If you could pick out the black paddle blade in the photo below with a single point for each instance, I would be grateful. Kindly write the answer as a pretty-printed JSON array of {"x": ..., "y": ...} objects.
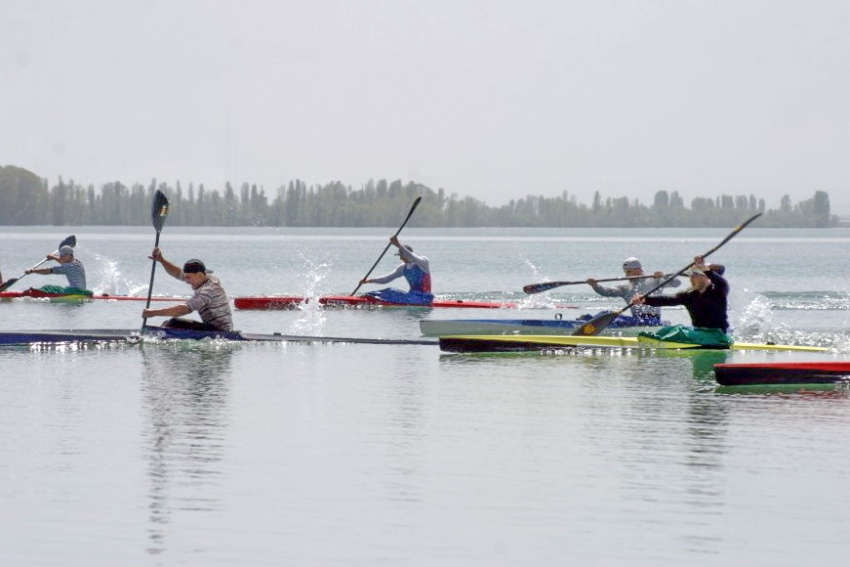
[
  {"x": 70, "y": 241},
  {"x": 541, "y": 287},
  {"x": 8, "y": 283},
  {"x": 159, "y": 210},
  {"x": 597, "y": 324}
]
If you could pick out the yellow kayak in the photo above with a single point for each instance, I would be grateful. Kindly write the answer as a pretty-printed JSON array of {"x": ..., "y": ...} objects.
[{"x": 518, "y": 343}]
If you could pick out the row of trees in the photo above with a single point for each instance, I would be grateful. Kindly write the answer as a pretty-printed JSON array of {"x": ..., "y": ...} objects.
[{"x": 26, "y": 199}]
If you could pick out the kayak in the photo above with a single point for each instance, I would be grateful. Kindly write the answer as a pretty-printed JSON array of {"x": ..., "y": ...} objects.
[
  {"x": 526, "y": 343},
  {"x": 134, "y": 335},
  {"x": 363, "y": 302},
  {"x": 437, "y": 327},
  {"x": 782, "y": 373},
  {"x": 71, "y": 297}
]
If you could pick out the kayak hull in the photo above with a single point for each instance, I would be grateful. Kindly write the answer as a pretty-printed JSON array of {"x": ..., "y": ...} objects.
[
  {"x": 70, "y": 298},
  {"x": 437, "y": 327},
  {"x": 527, "y": 343},
  {"x": 349, "y": 301},
  {"x": 134, "y": 335},
  {"x": 782, "y": 373}
]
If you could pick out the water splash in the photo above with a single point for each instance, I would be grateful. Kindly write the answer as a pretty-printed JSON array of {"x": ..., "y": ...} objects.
[{"x": 311, "y": 317}]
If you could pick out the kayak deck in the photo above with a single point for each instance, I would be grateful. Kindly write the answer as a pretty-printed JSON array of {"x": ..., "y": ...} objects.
[
  {"x": 437, "y": 327},
  {"x": 363, "y": 302},
  {"x": 748, "y": 374},
  {"x": 527, "y": 343}
]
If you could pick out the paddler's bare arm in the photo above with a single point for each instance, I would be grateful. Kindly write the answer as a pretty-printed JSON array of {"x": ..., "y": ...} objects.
[
  {"x": 173, "y": 270},
  {"x": 175, "y": 311}
]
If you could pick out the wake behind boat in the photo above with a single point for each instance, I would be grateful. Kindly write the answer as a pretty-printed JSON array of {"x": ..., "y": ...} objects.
[
  {"x": 530, "y": 343},
  {"x": 364, "y": 302},
  {"x": 162, "y": 333},
  {"x": 558, "y": 326}
]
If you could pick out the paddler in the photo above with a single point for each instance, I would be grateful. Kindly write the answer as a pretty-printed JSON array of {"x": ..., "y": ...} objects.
[
  {"x": 209, "y": 299},
  {"x": 706, "y": 302},
  {"x": 68, "y": 266},
  {"x": 416, "y": 270},
  {"x": 641, "y": 314}
]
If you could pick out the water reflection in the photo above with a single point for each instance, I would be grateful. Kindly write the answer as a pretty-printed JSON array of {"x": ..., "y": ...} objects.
[{"x": 186, "y": 391}]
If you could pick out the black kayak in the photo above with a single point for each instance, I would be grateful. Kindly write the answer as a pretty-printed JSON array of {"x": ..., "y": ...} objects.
[{"x": 782, "y": 373}]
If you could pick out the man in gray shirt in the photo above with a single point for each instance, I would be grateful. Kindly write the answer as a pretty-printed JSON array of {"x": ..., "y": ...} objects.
[
  {"x": 68, "y": 266},
  {"x": 209, "y": 300},
  {"x": 643, "y": 314}
]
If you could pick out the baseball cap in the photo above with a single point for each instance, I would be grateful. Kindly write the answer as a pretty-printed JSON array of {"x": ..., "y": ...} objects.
[
  {"x": 194, "y": 266},
  {"x": 66, "y": 250},
  {"x": 631, "y": 264}
]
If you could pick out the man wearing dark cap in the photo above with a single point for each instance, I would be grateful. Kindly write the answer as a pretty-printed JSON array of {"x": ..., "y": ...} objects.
[
  {"x": 415, "y": 269},
  {"x": 209, "y": 299},
  {"x": 68, "y": 266}
]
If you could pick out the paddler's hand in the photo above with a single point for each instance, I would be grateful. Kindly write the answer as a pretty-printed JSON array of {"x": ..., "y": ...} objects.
[
  {"x": 637, "y": 300},
  {"x": 658, "y": 275},
  {"x": 364, "y": 281},
  {"x": 148, "y": 313},
  {"x": 394, "y": 241},
  {"x": 156, "y": 255},
  {"x": 591, "y": 282}
]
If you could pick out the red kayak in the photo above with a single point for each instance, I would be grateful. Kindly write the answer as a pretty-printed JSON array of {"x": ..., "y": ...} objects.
[
  {"x": 362, "y": 302},
  {"x": 39, "y": 294},
  {"x": 782, "y": 373}
]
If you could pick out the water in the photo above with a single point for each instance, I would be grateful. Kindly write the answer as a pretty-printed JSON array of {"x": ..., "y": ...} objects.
[{"x": 212, "y": 453}]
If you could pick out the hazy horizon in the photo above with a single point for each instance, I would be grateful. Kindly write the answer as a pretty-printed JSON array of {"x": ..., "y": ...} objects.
[{"x": 494, "y": 101}]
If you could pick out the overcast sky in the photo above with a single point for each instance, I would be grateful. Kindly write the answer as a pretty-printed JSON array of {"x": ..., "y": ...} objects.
[{"x": 491, "y": 99}]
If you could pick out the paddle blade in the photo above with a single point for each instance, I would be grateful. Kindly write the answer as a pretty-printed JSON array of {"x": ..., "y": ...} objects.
[
  {"x": 70, "y": 241},
  {"x": 541, "y": 287},
  {"x": 597, "y": 324},
  {"x": 8, "y": 283},
  {"x": 159, "y": 210}
]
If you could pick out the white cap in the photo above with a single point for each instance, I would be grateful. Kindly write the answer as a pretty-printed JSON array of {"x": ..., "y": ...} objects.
[{"x": 631, "y": 264}]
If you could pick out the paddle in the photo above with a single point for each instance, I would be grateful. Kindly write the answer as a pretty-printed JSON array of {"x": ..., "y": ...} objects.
[
  {"x": 600, "y": 322},
  {"x": 546, "y": 286},
  {"x": 413, "y": 208},
  {"x": 159, "y": 211},
  {"x": 70, "y": 241}
]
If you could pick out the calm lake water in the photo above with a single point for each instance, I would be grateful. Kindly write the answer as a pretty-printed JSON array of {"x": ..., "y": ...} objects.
[{"x": 210, "y": 453}]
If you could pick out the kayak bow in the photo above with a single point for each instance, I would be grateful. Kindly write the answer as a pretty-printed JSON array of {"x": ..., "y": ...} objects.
[{"x": 782, "y": 373}]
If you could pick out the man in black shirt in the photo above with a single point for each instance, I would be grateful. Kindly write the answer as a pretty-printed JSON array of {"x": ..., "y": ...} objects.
[{"x": 706, "y": 301}]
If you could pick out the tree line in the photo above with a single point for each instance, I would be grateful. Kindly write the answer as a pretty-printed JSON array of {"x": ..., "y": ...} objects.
[{"x": 27, "y": 199}]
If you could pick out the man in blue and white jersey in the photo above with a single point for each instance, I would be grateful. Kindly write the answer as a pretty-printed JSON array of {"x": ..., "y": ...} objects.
[
  {"x": 68, "y": 266},
  {"x": 209, "y": 300},
  {"x": 416, "y": 270}
]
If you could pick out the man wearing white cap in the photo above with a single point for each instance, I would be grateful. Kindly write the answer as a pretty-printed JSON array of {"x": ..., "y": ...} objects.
[
  {"x": 642, "y": 314},
  {"x": 68, "y": 266}
]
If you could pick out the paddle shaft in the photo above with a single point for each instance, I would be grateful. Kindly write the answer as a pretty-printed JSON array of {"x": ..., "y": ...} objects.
[
  {"x": 413, "y": 208},
  {"x": 546, "y": 286},
  {"x": 159, "y": 212}
]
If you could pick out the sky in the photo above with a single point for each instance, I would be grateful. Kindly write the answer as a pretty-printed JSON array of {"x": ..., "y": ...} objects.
[{"x": 490, "y": 99}]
